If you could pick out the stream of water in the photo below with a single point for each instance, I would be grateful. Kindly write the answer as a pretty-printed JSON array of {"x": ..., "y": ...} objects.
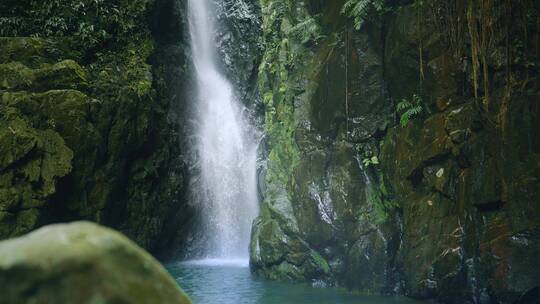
[{"x": 227, "y": 149}]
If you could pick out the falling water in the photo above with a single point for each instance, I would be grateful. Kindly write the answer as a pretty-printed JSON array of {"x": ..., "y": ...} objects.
[{"x": 226, "y": 190}]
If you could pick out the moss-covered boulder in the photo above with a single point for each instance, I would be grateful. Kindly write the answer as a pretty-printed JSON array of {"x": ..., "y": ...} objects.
[
  {"x": 65, "y": 74},
  {"x": 27, "y": 50},
  {"x": 82, "y": 263},
  {"x": 31, "y": 164},
  {"x": 15, "y": 75}
]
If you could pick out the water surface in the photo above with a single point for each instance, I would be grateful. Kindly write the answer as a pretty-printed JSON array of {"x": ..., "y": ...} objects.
[{"x": 230, "y": 282}]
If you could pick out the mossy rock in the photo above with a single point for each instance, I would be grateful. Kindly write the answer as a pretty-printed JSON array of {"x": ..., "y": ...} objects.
[
  {"x": 15, "y": 75},
  {"x": 67, "y": 74},
  {"x": 22, "y": 49},
  {"x": 31, "y": 163},
  {"x": 117, "y": 105},
  {"x": 18, "y": 223},
  {"x": 82, "y": 263},
  {"x": 16, "y": 141},
  {"x": 37, "y": 157}
]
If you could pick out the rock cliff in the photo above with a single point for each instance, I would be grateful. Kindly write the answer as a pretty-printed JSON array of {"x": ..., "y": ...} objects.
[
  {"x": 403, "y": 151},
  {"x": 91, "y": 117}
]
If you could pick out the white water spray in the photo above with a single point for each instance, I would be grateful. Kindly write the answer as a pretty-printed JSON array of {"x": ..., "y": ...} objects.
[{"x": 227, "y": 149}]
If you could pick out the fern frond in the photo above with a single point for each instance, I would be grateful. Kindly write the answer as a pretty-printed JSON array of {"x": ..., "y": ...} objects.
[
  {"x": 360, "y": 9},
  {"x": 404, "y": 104},
  {"x": 409, "y": 109}
]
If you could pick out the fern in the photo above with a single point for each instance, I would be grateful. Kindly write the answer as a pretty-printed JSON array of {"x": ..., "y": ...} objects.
[
  {"x": 409, "y": 110},
  {"x": 404, "y": 105},
  {"x": 361, "y": 9},
  {"x": 306, "y": 30}
]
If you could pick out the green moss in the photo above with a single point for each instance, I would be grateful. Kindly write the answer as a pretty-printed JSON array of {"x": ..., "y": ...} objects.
[
  {"x": 15, "y": 75},
  {"x": 320, "y": 262},
  {"x": 22, "y": 49},
  {"x": 55, "y": 162},
  {"x": 63, "y": 75},
  {"x": 26, "y": 221},
  {"x": 279, "y": 81},
  {"x": 16, "y": 141},
  {"x": 31, "y": 163},
  {"x": 84, "y": 80}
]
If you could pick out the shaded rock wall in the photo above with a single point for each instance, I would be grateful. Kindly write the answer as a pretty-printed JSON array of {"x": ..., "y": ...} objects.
[
  {"x": 324, "y": 95},
  {"x": 443, "y": 207},
  {"x": 466, "y": 173},
  {"x": 91, "y": 120},
  {"x": 238, "y": 41}
]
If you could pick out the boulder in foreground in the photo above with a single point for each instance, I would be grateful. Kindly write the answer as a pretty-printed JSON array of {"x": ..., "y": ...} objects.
[{"x": 82, "y": 263}]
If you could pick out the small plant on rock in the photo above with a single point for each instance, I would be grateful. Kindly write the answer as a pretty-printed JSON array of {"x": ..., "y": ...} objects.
[
  {"x": 409, "y": 109},
  {"x": 370, "y": 161}
]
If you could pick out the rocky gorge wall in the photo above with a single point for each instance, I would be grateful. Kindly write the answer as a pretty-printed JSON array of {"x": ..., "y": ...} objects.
[
  {"x": 442, "y": 205},
  {"x": 91, "y": 117},
  {"x": 437, "y": 203},
  {"x": 95, "y": 114}
]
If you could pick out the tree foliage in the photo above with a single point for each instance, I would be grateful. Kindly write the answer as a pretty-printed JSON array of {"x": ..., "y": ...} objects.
[
  {"x": 306, "y": 30},
  {"x": 90, "y": 21},
  {"x": 360, "y": 10}
]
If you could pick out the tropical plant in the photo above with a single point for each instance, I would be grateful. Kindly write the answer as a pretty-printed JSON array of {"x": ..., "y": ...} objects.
[
  {"x": 369, "y": 161},
  {"x": 91, "y": 21},
  {"x": 409, "y": 109},
  {"x": 360, "y": 10},
  {"x": 306, "y": 30}
]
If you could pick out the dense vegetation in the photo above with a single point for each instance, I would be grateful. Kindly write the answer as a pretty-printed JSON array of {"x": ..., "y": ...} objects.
[
  {"x": 401, "y": 156},
  {"x": 97, "y": 76},
  {"x": 92, "y": 22}
]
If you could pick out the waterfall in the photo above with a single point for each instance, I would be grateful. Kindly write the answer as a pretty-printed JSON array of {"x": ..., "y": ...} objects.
[{"x": 226, "y": 191}]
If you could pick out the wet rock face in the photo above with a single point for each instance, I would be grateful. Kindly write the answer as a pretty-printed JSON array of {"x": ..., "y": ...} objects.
[
  {"x": 461, "y": 230},
  {"x": 322, "y": 216},
  {"x": 238, "y": 41},
  {"x": 464, "y": 179},
  {"x": 82, "y": 263},
  {"x": 440, "y": 208},
  {"x": 96, "y": 133}
]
